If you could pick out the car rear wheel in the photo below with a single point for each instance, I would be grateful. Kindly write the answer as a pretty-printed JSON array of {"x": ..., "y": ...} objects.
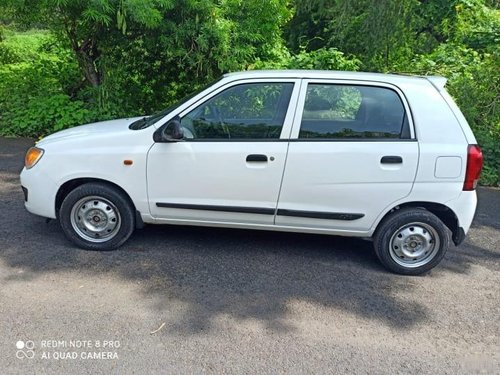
[
  {"x": 411, "y": 241},
  {"x": 97, "y": 216}
]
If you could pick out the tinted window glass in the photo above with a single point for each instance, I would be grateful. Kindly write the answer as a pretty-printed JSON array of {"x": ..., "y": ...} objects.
[
  {"x": 248, "y": 111},
  {"x": 342, "y": 111}
]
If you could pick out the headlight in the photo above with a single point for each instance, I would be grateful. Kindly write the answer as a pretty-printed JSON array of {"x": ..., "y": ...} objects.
[{"x": 32, "y": 156}]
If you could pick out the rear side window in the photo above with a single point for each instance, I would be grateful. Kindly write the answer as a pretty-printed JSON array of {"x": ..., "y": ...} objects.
[{"x": 358, "y": 112}]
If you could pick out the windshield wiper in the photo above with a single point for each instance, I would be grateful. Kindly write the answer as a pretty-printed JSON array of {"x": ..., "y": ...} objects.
[{"x": 139, "y": 124}]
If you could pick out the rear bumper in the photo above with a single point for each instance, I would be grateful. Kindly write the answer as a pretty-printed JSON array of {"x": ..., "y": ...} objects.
[
  {"x": 458, "y": 236},
  {"x": 465, "y": 208}
]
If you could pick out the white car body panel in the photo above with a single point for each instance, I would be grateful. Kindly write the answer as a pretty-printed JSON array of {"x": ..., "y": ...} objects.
[
  {"x": 317, "y": 173},
  {"x": 300, "y": 178},
  {"x": 215, "y": 174},
  {"x": 94, "y": 151}
]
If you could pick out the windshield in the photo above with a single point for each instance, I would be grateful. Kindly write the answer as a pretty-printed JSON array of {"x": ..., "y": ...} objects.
[{"x": 147, "y": 121}]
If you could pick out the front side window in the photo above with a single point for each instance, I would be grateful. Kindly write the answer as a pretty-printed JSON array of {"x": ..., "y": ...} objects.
[
  {"x": 246, "y": 111},
  {"x": 358, "y": 112}
]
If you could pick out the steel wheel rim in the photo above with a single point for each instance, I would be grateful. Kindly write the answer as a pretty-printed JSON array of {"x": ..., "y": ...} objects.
[
  {"x": 414, "y": 245},
  {"x": 95, "y": 219}
]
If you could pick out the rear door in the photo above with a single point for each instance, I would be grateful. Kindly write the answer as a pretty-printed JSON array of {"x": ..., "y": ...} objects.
[{"x": 352, "y": 153}]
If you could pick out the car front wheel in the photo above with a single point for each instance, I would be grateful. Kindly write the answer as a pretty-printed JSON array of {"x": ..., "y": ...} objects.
[
  {"x": 411, "y": 241},
  {"x": 97, "y": 216}
]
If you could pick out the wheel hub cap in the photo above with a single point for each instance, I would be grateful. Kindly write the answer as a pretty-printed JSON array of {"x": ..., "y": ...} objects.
[
  {"x": 95, "y": 219},
  {"x": 414, "y": 245}
]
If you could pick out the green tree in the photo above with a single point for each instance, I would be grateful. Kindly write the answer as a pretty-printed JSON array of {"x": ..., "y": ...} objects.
[
  {"x": 376, "y": 30},
  {"x": 156, "y": 50},
  {"x": 88, "y": 26}
]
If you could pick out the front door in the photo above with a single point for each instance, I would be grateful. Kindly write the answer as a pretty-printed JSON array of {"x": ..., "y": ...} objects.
[
  {"x": 230, "y": 165},
  {"x": 352, "y": 155}
]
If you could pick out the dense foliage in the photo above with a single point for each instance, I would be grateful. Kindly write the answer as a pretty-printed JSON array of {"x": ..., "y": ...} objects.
[{"x": 68, "y": 62}]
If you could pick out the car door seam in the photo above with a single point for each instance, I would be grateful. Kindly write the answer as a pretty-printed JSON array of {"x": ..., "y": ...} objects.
[{"x": 287, "y": 150}]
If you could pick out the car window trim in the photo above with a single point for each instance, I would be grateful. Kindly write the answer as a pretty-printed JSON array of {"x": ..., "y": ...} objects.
[
  {"x": 380, "y": 140},
  {"x": 392, "y": 140}
]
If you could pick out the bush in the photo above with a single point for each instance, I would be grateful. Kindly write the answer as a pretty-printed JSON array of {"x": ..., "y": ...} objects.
[
  {"x": 45, "y": 115},
  {"x": 36, "y": 79},
  {"x": 21, "y": 47},
  {"x": 321, "y": 59},
  {"x": 489, "y": 139}
]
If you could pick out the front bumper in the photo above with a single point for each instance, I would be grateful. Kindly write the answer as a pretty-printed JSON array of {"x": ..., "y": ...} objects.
[
  {"x": 25, "y": 192},
  {"x": 39, "y": 192}
]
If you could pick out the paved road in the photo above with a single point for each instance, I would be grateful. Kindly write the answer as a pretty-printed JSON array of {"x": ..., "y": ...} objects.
[{"x": 230, "y": 301}]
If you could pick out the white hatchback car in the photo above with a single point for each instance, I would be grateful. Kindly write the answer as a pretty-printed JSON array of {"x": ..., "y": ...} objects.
[{"x": 386, "y": 157}]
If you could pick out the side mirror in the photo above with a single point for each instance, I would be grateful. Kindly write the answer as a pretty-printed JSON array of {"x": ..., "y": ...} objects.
[{"x": 170, "y": 132}]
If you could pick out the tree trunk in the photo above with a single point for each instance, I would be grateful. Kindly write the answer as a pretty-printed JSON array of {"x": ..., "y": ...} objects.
[{"x": 87, "y": 55}]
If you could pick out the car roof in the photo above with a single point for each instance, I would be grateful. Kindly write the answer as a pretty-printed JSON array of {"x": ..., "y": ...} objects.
[{"x": 334, "y": 74}]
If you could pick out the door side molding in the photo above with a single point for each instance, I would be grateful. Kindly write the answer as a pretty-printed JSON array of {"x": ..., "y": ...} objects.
[
  {"x": 321, "y": 215},
  {"x": 203, "y": 207},
  {"x": 265, "y": 211}
]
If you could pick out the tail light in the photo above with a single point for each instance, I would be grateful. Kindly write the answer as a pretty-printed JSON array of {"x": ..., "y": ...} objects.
[{"x": 474, "y": 167}]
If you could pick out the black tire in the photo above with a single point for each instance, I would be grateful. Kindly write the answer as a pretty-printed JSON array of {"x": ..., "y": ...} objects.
[
  {"x": 411, "y": 231},
  {"x": 120, "y": 222}
]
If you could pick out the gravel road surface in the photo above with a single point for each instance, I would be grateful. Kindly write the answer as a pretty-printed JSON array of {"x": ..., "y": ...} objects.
[{"x": 199, "y": 300}]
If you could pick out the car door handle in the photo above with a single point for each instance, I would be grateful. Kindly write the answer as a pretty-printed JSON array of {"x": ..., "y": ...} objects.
[
  {"x": 257, "y": 158},
  {"x": 391, "y": 160}
]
